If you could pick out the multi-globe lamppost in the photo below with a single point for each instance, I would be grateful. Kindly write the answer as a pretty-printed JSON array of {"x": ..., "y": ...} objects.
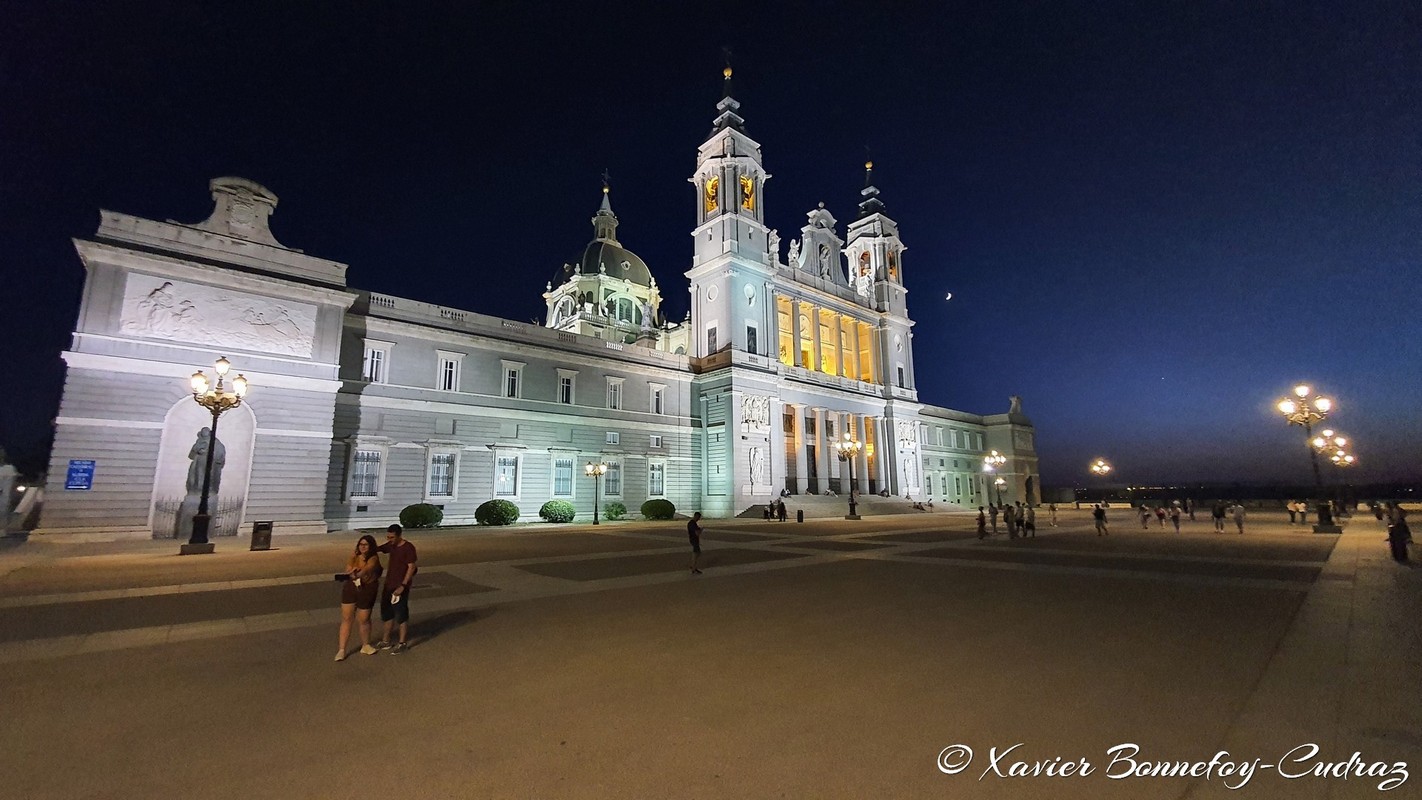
[
  {"x": 848, "y": 449},
  {"x": 991, "y": 463},
  {"x": 1334, "y": 445},
  {"x": 595, "y": 471},
  {"x": 217, "y": 400},
  {"x": 1301, "y": 410}
]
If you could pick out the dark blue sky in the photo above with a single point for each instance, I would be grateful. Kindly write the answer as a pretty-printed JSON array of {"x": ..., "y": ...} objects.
[{"x": 1154, "y": 218}]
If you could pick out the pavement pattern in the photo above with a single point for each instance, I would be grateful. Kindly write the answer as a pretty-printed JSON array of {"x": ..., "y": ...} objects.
[{"x": 825, "y": 659}]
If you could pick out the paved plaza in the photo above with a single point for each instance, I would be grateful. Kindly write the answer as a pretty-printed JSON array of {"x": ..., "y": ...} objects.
[{"x": 818, "y": 660}]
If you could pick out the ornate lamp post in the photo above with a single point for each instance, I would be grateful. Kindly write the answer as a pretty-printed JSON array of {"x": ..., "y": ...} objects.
[
  {"x": 216, "y": 399},
  {"x": 848, "y": 449},
  {"x": 595, "y": 471},
  {"x": 1334, "y": 445},
  {"x": 1300, "y": 410},
  {"x": 991, "y": 463},
  {"x": 1100, "y": 467}
]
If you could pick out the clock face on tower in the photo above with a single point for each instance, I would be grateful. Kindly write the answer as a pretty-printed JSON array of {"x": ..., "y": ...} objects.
[
  {"x": 747, "y": 193},
  {"x": 713, "y": 184}
]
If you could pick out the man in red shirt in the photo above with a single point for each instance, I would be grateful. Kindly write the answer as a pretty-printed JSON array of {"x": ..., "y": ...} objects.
[{"x": 395, "y": 598}]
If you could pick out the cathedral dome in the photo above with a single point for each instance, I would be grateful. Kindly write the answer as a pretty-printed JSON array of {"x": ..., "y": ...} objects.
[{"x": 604, "y": 254}]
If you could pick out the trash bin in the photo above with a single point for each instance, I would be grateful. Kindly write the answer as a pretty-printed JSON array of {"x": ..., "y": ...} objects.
[
  {"x": 262, "y": 535},
  {"x": 799, "y": 515}
]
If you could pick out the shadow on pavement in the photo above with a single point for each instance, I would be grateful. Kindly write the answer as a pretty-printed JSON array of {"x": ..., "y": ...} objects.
[{"x": 429, "y": 629}]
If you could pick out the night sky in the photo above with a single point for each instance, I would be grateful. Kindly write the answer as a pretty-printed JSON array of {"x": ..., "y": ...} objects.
[{"x": 1154, "y": 218}]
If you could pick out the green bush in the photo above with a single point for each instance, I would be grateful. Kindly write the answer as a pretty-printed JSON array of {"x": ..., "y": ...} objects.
[
  {"x": 557, "y": 511},
  {"x": 614, "y": 510},
  {"x": 421, "y": 515},
  {"x": 658, "y": 509},
  {"x": 496, "y": 512}
]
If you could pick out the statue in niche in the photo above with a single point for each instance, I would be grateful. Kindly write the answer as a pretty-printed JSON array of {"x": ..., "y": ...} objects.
[
  {"x": 198, "y": 456},
  {"x": 757, "y": 467},
  {"x": 646, "y": 316},
  {"x": 793, "y": 259},
  {"x": 824, "y": 261}
]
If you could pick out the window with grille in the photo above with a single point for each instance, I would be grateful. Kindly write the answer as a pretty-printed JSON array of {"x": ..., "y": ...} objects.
[
  {"x": 562, "y": 477},
  {"x": 612, "y": 481},
  {"x": 656, "y": 479},
  {"x": 506, "y": 476},
  {"x": 442, "y": 475},
  {"x": 365, "y": 474},
  {"x": 614, "y": 393}
]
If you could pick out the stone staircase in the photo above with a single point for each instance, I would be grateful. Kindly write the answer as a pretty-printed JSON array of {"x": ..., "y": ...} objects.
[{"x": 822, "y": 507}]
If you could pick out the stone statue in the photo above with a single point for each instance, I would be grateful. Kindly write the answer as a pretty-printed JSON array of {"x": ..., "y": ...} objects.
[
  {"x": 198, "y": 455},
  {"x": 757, "y": 466},
  {"x": 1016, "y": 407},
  {"x": 773, "y": 244},
  {"x": 793, "y": 259}
]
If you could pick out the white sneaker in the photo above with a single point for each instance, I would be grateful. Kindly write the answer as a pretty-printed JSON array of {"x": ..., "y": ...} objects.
[
  {"x": 367, "y": 650},
  {"x": 340, "y": 655}
]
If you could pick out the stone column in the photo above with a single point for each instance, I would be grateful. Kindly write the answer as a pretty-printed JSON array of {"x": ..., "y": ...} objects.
[
  {"x": 776, "y": 445},
  {"x": 801, "y": 464},
  {"x": 795, "y": 328},
  {"x": 815, "y": 338},
  {"x": 861, "y": 464},
  {"x": 822, "y": 448}
]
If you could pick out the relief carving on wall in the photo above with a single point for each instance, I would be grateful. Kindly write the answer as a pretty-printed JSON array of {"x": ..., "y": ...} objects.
[
  {"x": 755, "y": 413},
  {"x": 186, "y": 312},
  {"x": 905, "y": 430},
  {"x": 1022, "y": 439},
  {"x": 757, "y": 467}
]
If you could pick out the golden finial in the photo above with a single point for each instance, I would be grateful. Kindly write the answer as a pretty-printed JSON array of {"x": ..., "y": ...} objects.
[
  {"x": 868, "y": 164},
  {"x": 726, "y": 72}
]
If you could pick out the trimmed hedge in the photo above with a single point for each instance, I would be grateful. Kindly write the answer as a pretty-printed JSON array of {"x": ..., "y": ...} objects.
[
  {"x": 496, "y": 512},
  {"x": 557, "y": 511},
  {"x": 421, "y": 515},
  {"x": 658, "y": 509},
  {"x": 614, "y": 510}
]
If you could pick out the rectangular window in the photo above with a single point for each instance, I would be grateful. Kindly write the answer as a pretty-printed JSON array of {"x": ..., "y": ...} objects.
[
  {"x": 656, "y": 440},
  {"x": 612, "y": 481},
  {"x": 751, "y": 339},
  {"x": 365, "y": 474},
  {"x": 658, "y": 399},
  {"x": 829, "y": 429},
  {"x": 710, "y": 340},
  {"x": 565, "y": 390},
  {"x": 376, "y": 366},
  {"x": 901, "y": 376},
  {"x": 442, "y": 475},
  {"x": 614, "y": 438},
  {"x": 506, "y": 476},
  {"x": 562, "y": 477},
  {"x": 512, "y": 378},
  {"x": 656, "y": 479},
  {"x": 614, "y": 393}
]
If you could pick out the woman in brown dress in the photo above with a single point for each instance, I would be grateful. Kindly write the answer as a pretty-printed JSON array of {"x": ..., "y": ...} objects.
[{"x": 358, "y": 594}]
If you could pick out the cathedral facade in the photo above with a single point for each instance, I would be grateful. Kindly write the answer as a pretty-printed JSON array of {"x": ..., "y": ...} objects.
[{"x": 363, "y": 403}]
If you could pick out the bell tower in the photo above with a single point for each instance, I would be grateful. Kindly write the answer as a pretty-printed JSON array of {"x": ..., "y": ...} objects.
[
  {"x": 732, "y": 266},
  {"x": 875, "y": 254}
]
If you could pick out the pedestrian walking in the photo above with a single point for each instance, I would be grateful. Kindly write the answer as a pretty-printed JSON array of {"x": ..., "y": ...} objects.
[
  {"x": 992, "y": 509},
  {"x": 360, "y": 586},
  {"x": 1217, "y": 511},
  {"x": 1099, "y": 514},
  {"x": 1160, "y": 516},
  {"x": 1009, "y": 519},
  {"x": 1052, "y": 511},
  {"x": 1293, "y": 513},
  {"x": 1239, "y": 516},
  {"x": 1175, "y": 517},
  {"x": 982, "y": 523},
  {"x": 395, "y": 599},
  {"x": 1029, "y": 526},
  {"x": 780, "y": 510},
  {"x": 1145, "y": 516},
  {"x": 1190, "y": 508},
  {"x": 1398, "y": 534},
  {"x": 693, "y": 532}
]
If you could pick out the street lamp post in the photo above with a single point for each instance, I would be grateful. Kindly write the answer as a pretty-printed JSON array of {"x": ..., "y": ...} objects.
[
  {"x": 1100, "y": 468},
  {"x": 1305, "y": 412},
  {"x": 216, "y": 399},
  {"x": 595, "y": 471},
  {"x": 848, "y": 449},
  {"x": 1334, "y": 445},
  {"x": 991, "y": 463}
]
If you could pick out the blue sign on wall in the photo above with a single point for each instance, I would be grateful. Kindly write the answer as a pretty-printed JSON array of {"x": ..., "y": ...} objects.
[{"x": 80, "y": 475}]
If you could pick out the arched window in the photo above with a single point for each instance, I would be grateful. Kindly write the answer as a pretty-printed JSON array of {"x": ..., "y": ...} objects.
[{"x": 624, "y": 310}]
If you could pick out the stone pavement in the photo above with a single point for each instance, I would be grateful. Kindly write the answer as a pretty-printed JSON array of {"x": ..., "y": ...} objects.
[{"x": 830, "y": 659}]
